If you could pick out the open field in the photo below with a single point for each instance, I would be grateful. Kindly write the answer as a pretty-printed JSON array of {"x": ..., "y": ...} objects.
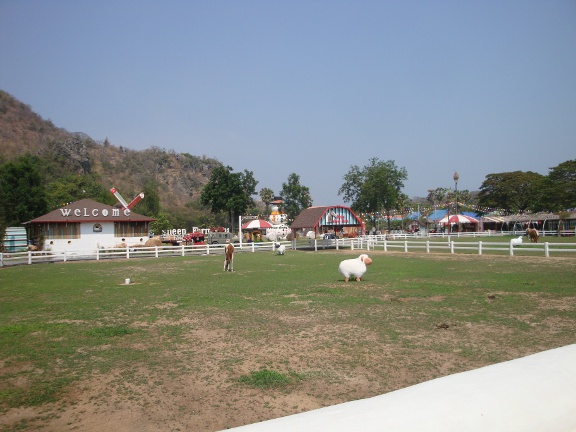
[{"x": 186, "y": 346}]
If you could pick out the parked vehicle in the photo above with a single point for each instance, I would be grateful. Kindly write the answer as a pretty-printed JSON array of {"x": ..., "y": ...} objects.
[
  {"x": 196, "y": 238},
  {"x": 222, "y": 238}
]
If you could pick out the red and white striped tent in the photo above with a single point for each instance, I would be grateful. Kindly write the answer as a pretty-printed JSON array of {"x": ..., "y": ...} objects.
[
  {"x": 256, "y": 224},
  {"x": 457, "y": 219}
]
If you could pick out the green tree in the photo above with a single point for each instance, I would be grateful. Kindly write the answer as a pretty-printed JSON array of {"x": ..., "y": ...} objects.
[
  {"x": 74, "y": 187},
  {"x": 462, "y": 197},
  {"x": 161, "y": 224},
  {"x": 150, "y": 204},
  {"x": 437, "y": 197},
  {"x": 559, "y": 189},
  {"x": 249, "y": 184},
  {"x": 514, "y": 191},
  {"x": 266, "y": 195},
  {"x": 296, "y": 197},
  {"x": 375, "y": 187},
  {"x": 22, "y": 191},
  {"x": 228, "y": 192}
]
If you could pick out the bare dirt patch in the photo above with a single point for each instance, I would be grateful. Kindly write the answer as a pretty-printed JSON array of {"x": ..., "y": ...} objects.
[
  {"x": 192, "y": 385},
  {"x": 195, "y": 386}
]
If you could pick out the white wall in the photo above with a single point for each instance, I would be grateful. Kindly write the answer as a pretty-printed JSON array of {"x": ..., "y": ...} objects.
[{"x": 90, "y": 240}]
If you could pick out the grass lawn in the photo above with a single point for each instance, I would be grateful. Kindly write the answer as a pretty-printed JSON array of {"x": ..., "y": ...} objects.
[{"x": 187, "y": 346}]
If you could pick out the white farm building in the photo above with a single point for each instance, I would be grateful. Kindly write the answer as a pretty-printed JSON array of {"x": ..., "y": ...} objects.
[{"x": 88, "y": 225}]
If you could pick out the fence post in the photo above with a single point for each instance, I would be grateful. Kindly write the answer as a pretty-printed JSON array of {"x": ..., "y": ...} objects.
[
  {"x": 511, "y": 249},
  {"x": 385, "y": 245},
  {"x": 183, "y": 254},
  {"x": 352, "y": 244},
  {"x": 207, "y": 249},
  {"x": 451, "y": 247},
  {"x": 427, "y": 246},
  {"x": 156, "y": 251},
  {"x": 29, "y": 257},
  {"x": 64, "y": 256},
  {"x": 253, "y": 250},
  {"x": 405, "y": 245},
  {"x": 97, "y": 254},
  {"x": 1, "y": 259},
  {"x": 127, "y": 252},
  {"x": 546, "y": 250},
  {"x": 480, "y": 247}
]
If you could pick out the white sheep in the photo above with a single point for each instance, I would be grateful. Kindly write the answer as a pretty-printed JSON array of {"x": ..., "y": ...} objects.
[
  {"x": 516, "y": 241},
  {"x": 280, "y": 248},
  {"x": 355, "y": 267}
]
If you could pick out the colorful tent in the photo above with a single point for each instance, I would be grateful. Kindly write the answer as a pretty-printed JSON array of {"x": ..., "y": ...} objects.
[
  {"x": 257, "y": 224},
  {"x": 457, "y": 219}
]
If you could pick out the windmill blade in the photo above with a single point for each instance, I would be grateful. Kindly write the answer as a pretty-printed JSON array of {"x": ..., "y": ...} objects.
[
  {"x": 119, "y": 197},
  {"x": 136, "y": 200}
]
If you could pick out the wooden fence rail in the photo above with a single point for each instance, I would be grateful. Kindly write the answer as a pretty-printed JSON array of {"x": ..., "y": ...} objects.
[{"x": 367, "y": 243}]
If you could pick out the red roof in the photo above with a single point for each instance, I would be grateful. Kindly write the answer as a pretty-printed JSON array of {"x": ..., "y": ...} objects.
[{"x": 87, "y": 210}]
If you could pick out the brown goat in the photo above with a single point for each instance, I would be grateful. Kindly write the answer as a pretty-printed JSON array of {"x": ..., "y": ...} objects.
[
  {"x": 229, "y": 260},
  {"x": 533, "y": 235}
]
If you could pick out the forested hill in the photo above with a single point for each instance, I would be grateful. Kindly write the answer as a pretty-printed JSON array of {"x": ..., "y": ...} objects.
[{"x": 178, "y": 177}]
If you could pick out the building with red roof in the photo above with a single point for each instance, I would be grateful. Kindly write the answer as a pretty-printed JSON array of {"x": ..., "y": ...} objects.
[{"x": 87, "y": 225}]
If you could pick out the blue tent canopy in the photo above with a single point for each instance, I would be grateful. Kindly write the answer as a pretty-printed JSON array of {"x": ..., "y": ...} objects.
[{"x": 437, "y": 214}]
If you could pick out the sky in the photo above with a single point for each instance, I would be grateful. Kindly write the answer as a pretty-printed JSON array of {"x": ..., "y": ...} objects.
[{"x": 310, "y": 87}]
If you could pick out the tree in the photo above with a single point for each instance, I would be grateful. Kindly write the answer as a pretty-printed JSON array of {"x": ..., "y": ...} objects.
[
  {"x": 296, "y": 197},
  {"x": 229, "y": 192},
  {"x": 266, "y": 196},
  {"x": 74, "y": 187},
  {"x": 22, "y": 192},
  {"x": 248, "y": 186},
  {"x": 161, "y": 224},
  {"x": 437, "y": 196},
  {"x": 514, "y": 191},
  {"x": 559, "y": 188},
  {"x": 375, "y": 187},
  {"x": 150, "y": 205}
]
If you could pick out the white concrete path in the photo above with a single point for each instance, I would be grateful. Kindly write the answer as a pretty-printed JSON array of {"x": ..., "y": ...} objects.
[{"x": 536, "y": 393}]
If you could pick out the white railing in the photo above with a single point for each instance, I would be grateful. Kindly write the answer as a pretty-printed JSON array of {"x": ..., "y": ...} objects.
[
  {"x": 392, "y": 236},
  {"x": 33, "y": 257},
  {"x": 368, "y": 243},
  {"x": 479, "y": 247}
]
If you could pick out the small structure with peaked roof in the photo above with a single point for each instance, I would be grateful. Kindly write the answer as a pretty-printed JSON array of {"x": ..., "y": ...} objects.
[
  {"x": 323, "y": 219},
  {"x": 87, "y": 224}
]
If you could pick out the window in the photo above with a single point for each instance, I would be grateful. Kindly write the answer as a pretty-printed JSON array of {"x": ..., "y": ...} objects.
[
  {"x": 69, "y": 230},
  {"x": 131, "y": 229}
]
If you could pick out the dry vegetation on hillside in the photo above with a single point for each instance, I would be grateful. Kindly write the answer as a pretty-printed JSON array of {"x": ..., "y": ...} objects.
[{"x": 180, "y": 176}]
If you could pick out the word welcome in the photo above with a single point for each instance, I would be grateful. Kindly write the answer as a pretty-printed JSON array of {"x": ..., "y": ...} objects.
[{"x": 85, "y": 212}]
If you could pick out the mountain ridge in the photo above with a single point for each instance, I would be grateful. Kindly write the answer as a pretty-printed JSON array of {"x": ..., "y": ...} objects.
[{"x": 180, "y": 177}]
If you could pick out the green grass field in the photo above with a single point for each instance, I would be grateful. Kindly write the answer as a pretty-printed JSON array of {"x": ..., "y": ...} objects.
[{"x": 413, "y": 317}]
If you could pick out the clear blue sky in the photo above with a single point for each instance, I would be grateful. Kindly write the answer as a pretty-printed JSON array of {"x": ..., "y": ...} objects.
[{"x": 311, "y": 86}]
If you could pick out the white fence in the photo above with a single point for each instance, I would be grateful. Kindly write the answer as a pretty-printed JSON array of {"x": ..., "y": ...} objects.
[
  {"x": 34, "y": 257},
  {"x": 448, "y": 245},
  {"x": 478, "y": 247},
  {"x": 402, "y": 242}
]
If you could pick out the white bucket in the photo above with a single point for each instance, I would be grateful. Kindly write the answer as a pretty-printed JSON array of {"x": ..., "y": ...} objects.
[{"x": 127, "y": 281}]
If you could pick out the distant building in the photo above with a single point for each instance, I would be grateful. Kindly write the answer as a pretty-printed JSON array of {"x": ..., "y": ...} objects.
[
  {"x": 86, "y": 225},
  {"x": 339, "y": 220}
]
